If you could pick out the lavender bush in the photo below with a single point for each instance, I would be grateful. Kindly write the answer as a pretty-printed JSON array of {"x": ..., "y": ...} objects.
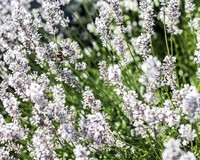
[{"x": 100, "y": 79}]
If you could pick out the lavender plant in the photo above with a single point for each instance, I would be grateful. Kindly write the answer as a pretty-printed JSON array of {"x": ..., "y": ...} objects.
[{"x": 107, "y": 79}]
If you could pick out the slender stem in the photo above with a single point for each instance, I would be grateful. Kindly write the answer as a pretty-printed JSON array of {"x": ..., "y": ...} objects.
[
  {"x": 87, "y": 11},
  {"x": 55, "y": 39},
  {"x": 165, "y": 32},
  {"x": 133, "y": 58},
  {"x": 171, "y": 44},
  {"x": 151, "y": 44}
]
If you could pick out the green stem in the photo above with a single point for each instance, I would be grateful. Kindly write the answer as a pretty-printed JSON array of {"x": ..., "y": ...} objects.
[
  {"x": 151, "y": 44},
  {"x": 166, "y": 42},
  {"x": 133, "y": 58},
  {"x": 171, "y": 44},
  {"x": 87, "y": 11}
]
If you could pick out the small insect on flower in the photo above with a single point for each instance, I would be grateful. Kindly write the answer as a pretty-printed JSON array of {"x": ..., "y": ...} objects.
[{"x": 59, "y": 56}]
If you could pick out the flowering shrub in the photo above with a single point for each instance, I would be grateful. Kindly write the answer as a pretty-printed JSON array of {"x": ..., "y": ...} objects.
[{"x": 104, "y": 79}]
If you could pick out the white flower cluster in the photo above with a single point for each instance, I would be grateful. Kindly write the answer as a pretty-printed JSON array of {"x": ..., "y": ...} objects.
[
  {"x": 120, "y": 45},
  {"x": 103, "y": 23},
  {"x": 174, "y": 152},
  {"x": 107, "y": 13},
  {"x": 26, "y": 27},
  {"x": 90, "y": 101},
  {"x": 195, "y": 27},
  {"x": 42, "y": 148},
  {"x": 151, "y": 67},
  {"x": 171, "y": 16},
  {"x": 117, "y": 12},
  {"x": 70, "y": 54},
  {"x": 189, "y": 6},
  {"x": 11, "y": 104},
  {"x": 168, "y": 72},
  {"x": 53, "y": 16},
  {"x": 4, "y": 154},
  {"x": 147, "y": 15},
  {"x": 163, "y": 2},
  {"x": 112, "y": 74},
  {"x": 172, "y": 116},
  {"x": 151, "y": 77},
  {"x": 142, "y": 45},
  {"x": 81, "y": 152},
  {"x": 94, "y": 128},
  {"x": 70, "y": 50},
  {"x": 189, "y": 100},
  {"x": 11, "y": 131},
  {"x": 64, "y": 2},
  {"x": 191, "y": 104},
  {"x": 187, "y": 134},
  {"x": 17, "y": 60},
  {"x": 103, "y": 70},
  {"x": 9, "y": 134},
  {"x": 139, "y": 113}
]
